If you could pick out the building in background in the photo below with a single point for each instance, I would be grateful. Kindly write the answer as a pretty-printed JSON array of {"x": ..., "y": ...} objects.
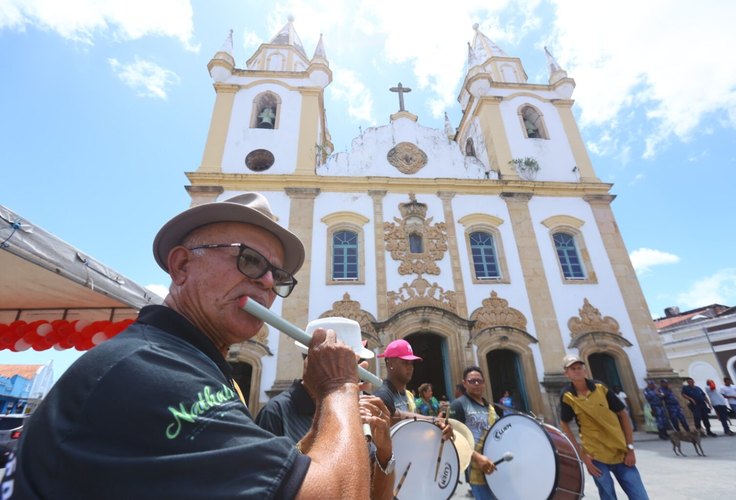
[
  {"x": 700, "y": 343},
  {"x": 488, "y": 242},
  {"x": 22, "y": 387}
]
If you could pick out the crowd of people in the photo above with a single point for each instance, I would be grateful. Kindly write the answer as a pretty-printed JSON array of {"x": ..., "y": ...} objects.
[
  {"x": 668, "y": 413},
  {"x": 155, "y": 412}
]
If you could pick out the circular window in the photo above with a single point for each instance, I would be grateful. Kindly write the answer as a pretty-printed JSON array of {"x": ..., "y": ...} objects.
[{"x": 259, "y": 160}]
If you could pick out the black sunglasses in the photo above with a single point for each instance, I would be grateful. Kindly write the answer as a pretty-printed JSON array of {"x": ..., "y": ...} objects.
[{"x": 254, "y": 265}]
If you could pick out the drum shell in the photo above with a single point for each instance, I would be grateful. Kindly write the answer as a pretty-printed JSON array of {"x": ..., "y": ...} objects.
[
  {"x": 419, "y": 442},
  {"x": 545, "y": 464}
]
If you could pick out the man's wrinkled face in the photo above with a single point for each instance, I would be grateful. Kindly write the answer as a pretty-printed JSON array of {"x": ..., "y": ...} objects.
[
  {"x": 575, "y": 372},
  {"x": 209, "y": 285}
]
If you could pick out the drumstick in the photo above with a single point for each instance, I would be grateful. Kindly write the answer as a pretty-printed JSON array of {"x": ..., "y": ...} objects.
[
  {"x": 439, "y": 456},
  {"x": 507, "y": 457},
  {"x": 401, "y": 481},
  {"x": 439, "y": 459},
  {"x": 276, "y": 321}
]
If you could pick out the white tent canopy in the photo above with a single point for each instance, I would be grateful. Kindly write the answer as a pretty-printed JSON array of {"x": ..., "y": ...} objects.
[{"x": 44, "y": 278}]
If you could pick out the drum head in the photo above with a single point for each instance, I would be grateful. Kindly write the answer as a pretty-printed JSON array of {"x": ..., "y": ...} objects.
[
  {"x": 532, "y": 473},
  {"x": 419, "y": 443}
]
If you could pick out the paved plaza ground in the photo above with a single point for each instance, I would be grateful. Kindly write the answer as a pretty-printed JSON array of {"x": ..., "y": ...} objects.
[{"x": 668, "y": 477}]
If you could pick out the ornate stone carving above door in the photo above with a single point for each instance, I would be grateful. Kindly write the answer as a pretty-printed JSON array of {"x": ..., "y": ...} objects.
[
  {"x": 496, "y": 312},
  {"x": 591, "y": 320},
  {"x": 421, "y": 293}
]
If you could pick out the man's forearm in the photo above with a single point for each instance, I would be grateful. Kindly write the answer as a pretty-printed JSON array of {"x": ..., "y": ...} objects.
[
  {"x": 340, "y": 465},
  {"x": 623, "y": 419}
]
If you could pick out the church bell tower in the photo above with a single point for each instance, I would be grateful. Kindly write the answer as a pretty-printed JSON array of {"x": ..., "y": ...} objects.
[{"x": 269, "y": 117}]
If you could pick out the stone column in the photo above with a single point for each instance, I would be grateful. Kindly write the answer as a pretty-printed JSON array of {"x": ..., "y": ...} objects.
[
  {"x": 380, "y": 255},
  {"x": 457, "y": 274},
  {"x": 219, "y": 124},
  {"x": 494, "y": 135},
  {"x": 655, "y": 358},
  {"x": 464, "y": 354},
  {"x": 572, "y": 132},
  {"x": 306, "y": 156},
  {"x": 203, "y": 194},
  {"x": 295, "y": 308},
  {"x": 546, "y": 327}
]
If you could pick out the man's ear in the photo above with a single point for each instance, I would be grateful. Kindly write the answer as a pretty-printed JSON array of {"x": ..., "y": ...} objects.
[{"x": 178, "y": 262}]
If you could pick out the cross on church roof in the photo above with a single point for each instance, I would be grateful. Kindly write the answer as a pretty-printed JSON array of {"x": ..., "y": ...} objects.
[{"x": 401, "y": 90}]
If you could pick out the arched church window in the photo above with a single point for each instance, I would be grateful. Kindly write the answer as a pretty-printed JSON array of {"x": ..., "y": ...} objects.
[
  {"x": 345, "y": 255},
  {"x": 345, "y": 242},
  {"x": 567, "y": 253},
  {"x": 266, "y": 107},
  {"x": 416, "y": 245},
  {"x": 483, "y": 251},
  {"x": 533, "y": 123},
  {"x": 469, "y": 147}
]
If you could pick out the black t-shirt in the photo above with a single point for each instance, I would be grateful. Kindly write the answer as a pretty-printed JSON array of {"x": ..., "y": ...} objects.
[
  {"x": 288, "y": 414},
  {"x": 392, "y": 399},
  {"x": 152, "y": 413}
]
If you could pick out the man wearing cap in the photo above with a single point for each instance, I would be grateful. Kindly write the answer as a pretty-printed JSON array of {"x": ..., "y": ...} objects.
[
  {"x": 655, "y": 399},
  {"x": 155, "y": 413},
  {"x": 399, "y": 358},
  {"x": 607, "y": 440}
]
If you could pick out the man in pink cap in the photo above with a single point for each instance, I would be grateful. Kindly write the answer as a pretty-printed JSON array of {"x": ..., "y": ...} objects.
[
  {"x": 400, "y": 358},
  {"x": 400, "y": 368}
]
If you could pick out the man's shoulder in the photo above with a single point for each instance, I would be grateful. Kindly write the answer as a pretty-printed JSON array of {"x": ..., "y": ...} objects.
[{"x": 384, "y": 390}]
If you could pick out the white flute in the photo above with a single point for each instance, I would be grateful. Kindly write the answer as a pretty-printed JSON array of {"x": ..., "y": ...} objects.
[{"x": 276, "y": 321}]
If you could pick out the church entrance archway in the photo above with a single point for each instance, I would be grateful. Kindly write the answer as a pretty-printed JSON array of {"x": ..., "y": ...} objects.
[
  {"x": 242, "y": 374},
  {"x": 507, "y": 374},
  {"x": 435, "y": 368},
  {"x": 603, "y": 368}
]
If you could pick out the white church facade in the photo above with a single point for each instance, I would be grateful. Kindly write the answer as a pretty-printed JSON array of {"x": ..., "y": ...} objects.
[{"x": 492, "y": 243}]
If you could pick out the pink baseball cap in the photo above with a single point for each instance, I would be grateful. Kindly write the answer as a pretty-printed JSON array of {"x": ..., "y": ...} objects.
[{"x": 399, "y": 349}]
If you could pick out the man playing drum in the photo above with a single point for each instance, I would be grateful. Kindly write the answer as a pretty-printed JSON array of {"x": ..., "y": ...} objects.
[
  {"x": 399, "y": 359},
  {"x": 605, "y": 432},
  {"x": 474, "y": 411}
]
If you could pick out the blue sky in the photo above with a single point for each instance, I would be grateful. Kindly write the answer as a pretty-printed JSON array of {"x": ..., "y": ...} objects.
[{"x": 105, "y": 104}]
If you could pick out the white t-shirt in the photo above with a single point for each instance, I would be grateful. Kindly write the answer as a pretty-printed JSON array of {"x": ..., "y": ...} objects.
[{"x": 729, "y": 392}]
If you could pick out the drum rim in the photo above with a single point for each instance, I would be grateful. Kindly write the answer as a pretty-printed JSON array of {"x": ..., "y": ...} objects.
[
  {"x": 394, "y": 428},
  {"x": 546, "y": 434}
]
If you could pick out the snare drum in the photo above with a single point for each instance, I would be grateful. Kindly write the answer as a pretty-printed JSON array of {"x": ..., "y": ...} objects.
[
  {"x": 545, "y": 463},
  {"x": 419, "y": 442}
]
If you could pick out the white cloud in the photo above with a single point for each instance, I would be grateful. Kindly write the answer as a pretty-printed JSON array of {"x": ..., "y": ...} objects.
[
  {"x": 720, "y": 288},
  {"x": 663, "y": 59},
  {"x": 643, "y": 259},
  {"x": 145, "y": 77},
  {"x": 160, "y": 290},
  {"x": 348, "y": 87},
  {"x": 428, "y": 40},
  {"x": 83, "y": 20}
]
